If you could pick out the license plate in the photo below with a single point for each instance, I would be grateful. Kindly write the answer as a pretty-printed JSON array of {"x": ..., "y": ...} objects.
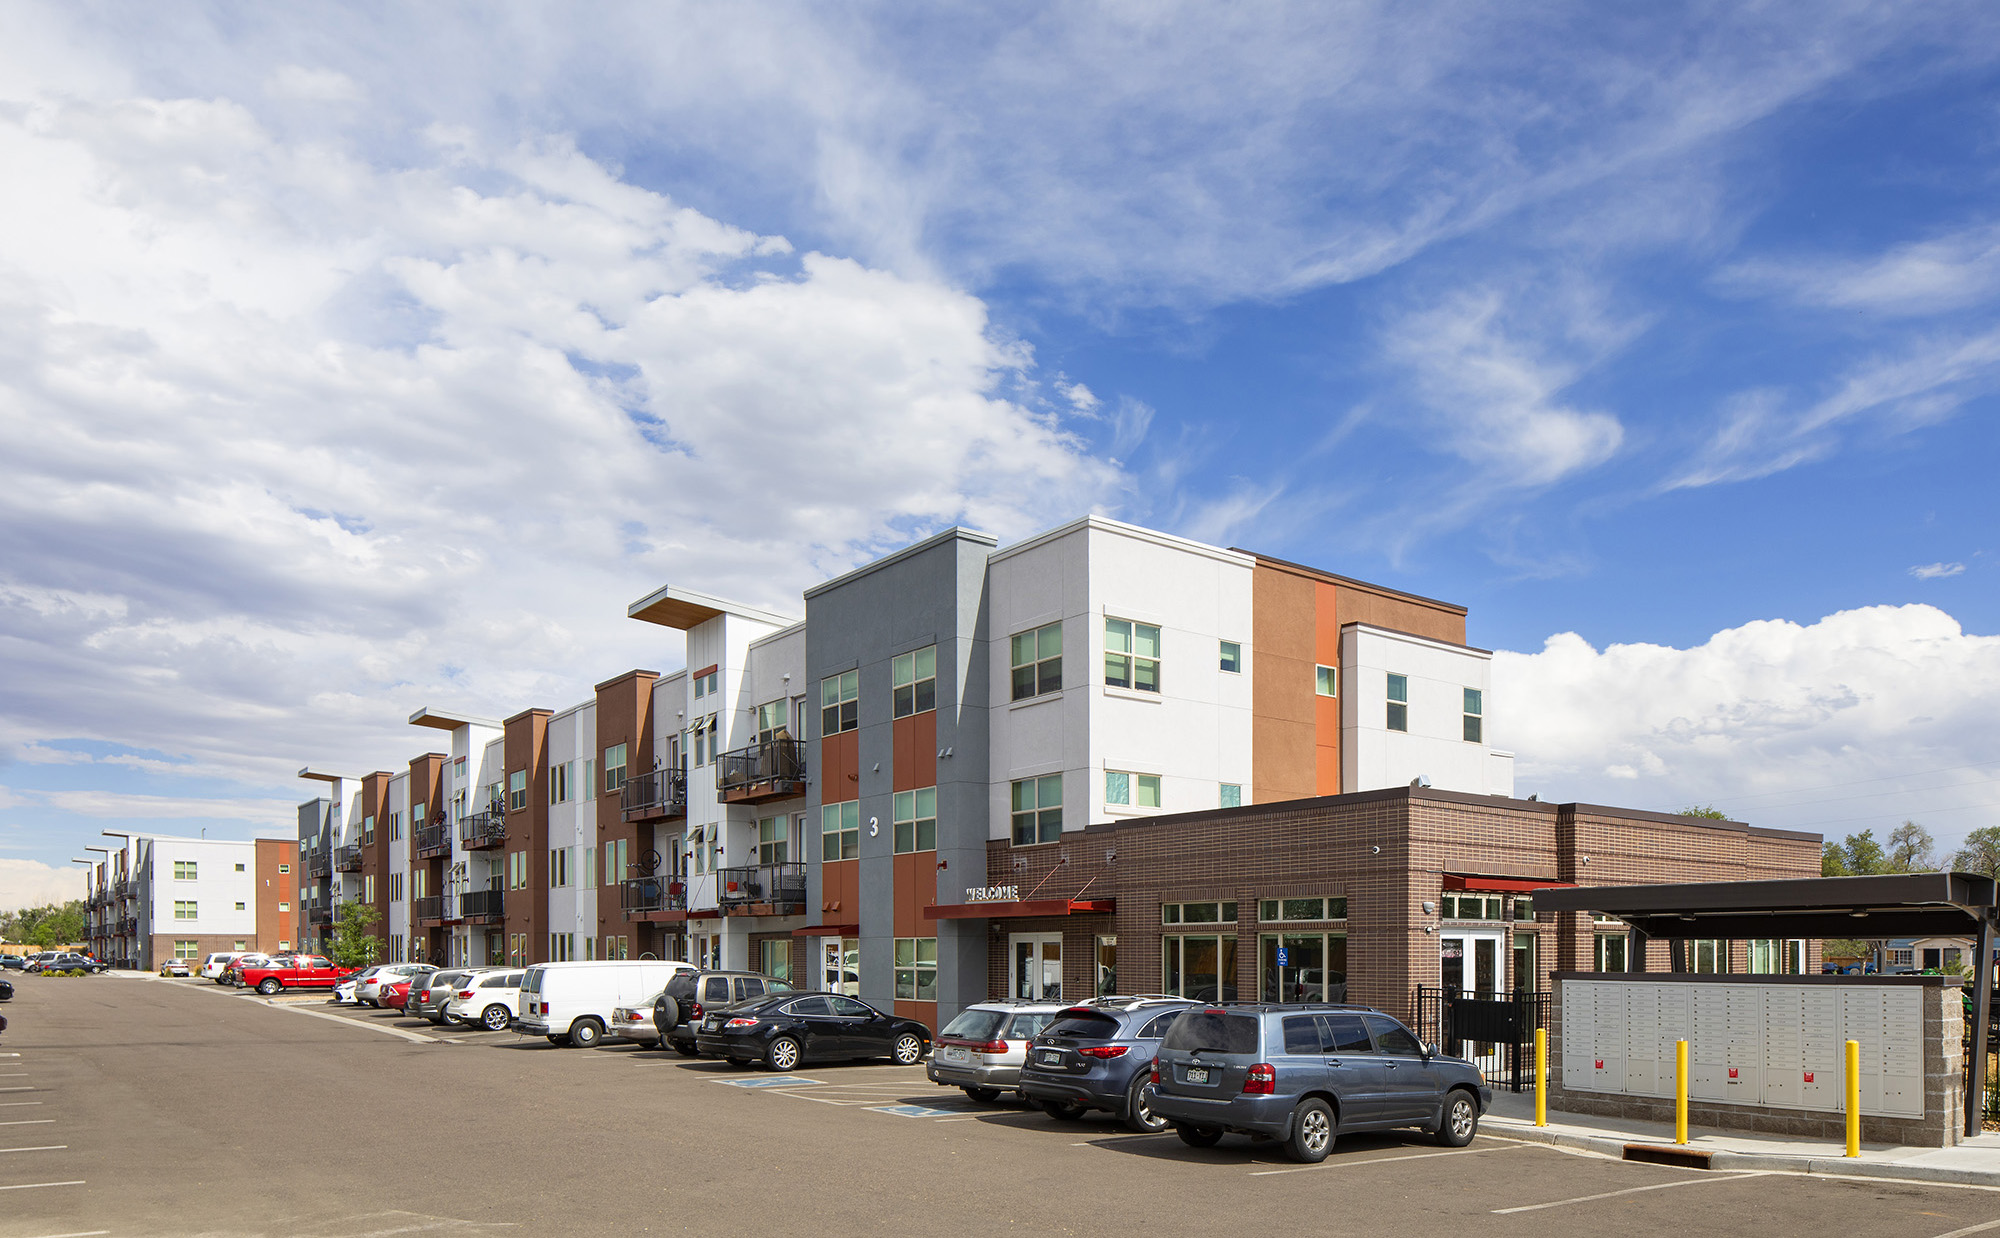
[
  {"x": 1197, "y": 1074},
  {"x": 712, "y": 1024},
  {"x": 956, "y": 1055},
  {"x": 1049, "y": 1057}
]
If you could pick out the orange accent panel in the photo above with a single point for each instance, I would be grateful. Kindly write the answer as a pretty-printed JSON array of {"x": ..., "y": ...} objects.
[
  {"x": 915, "y": 875},
  {"x": 915, "y": 751},
  {"x": 840, "y": 766},
  {"x": 1284, "y": 636},
  {"x": 840, "y": 882},
  {"x": 1326, "y": 709},
  {"x": 923, "y": 1012}
]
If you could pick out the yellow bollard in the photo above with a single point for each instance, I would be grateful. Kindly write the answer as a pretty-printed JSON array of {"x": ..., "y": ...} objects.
[
  {"x": 1680, "y": 1091},
  {"x": 1854, "y": 1098},
  {"x": 1541, "y": 1076}
]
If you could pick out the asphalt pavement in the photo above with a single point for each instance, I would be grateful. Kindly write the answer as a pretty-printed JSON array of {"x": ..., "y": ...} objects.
[{"x": 170, "y": 1107}]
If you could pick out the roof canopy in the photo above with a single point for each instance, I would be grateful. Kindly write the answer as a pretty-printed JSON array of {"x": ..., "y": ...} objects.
[{"x": 1907, "y": 904}]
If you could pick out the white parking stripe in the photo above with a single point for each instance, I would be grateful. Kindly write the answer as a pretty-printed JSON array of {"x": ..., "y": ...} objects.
[
  {"x": 1373, "y": 1160},
  {"x": 31, "y": 1186},
  {"x": 1634, "y": 1190},
  {"x": 373, "y": 1027},
  {"x": 16, "y": 1089},
  {"x": 82, "y": 1233},
  {"x": 16, "y": 1104},
  {"x": 1980, "y": 1228},
  {"x": 47, "y": 1147},
  {"x": 29, "y": 1122}
]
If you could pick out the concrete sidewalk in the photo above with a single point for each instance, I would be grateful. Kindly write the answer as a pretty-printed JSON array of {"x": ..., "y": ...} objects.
[{"x": 1975, "y": 1162}]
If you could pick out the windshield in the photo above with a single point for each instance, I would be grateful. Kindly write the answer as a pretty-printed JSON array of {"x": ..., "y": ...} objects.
[
  {"x": 974, "y": 1024},
  {"x": 1085, "y": 1026},
  {"x": 1212, "y": 1031}
]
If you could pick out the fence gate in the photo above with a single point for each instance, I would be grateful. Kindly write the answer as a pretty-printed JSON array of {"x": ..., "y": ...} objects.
[{"x": 1495, "y": 1031}]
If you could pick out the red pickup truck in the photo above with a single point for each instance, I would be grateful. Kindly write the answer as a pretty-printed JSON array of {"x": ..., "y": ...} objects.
[{"x": 307, "y": 971}]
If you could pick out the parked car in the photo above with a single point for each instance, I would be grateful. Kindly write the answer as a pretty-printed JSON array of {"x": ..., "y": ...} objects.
[
  {"x": 571, "y": 1003},
  {"x": 212, "y": 965},
  {"x": 33, "y": 962},
  {"x": 428, "y": 1002},
  {"x": 1300, "y": 1074},
  {"x": 65, "y": 960},
  {"x": 232, "y": 971},
  {"x": 982, "y": 1049},
  {"x": 679, "y": 1007},
  {"x": 785, "y": 1029},
  {"x": 6, "y": 991},
  {"x": 491, "y": 999},
  {"x": 369, "y": 991},
  {"x": 305, "y": 971},
  {"x": 12, "y": 962},
  {"x": 1099, "y": 1055},
  {"x": 344, "y": 991},
  {"x": 175, "y": 967}
]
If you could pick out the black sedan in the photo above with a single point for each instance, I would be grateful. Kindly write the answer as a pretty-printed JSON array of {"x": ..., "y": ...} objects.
[
  {"x": 785, "y": 1029},
  {"x": 6, "y": 990}
]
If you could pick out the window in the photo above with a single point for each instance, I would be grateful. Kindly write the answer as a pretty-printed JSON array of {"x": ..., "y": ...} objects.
[
  {"x": 185, "y": 910},
  {"x": 1037, "y": 661},
  {"x": 588, "y": 788},
  {"x": 1135, "y": 790},
  {"x": 1903, "y": 958},
  {"x": 284, "y": 945},
  {"x": 773, "y": 841},
  {"x": 774, "y": 959},
  {"x": 1611, "y": 952},
  {"x": 184, "y": 949},
  {"x": 281, "y": 907},
  {"x": 915, "y": 813},
  {"x": 707, "y": 683},
  {"x": 1203, "y": 968},
  {"x": 241, "y": 907},
  {"x": 1471, "y": 907},
  {"x": 417, "y": 817},
  {"x": 616, "y": 854},
  {"x": 1326, "y": 680},
  {"x": 1708, "y": 957},
  {"x": 517, "y": 870},
  {"x": 562, "y": 947},
  {"x": 239, "y": 946},
  {"x": 774, "y": 719},
  {"x": 916, "y": 969},
  {"x": 839, "y": 703},
  {"x": 1270, "y": 909},
  {"x": 614, "y": 768},
  {"x": 558, "y": 867},
  {"x": 495, "y": 796},
  {"x": 701, "y": 847},
  {"x": 1197, "y": 913},
  {"x": 1131, "y": 655},
  {"x": 559, "y": 783},
  {"x": 1038, "y": 810},
  {"x": 367, "y": 829},
  {"x": 1399, "y": 703},
  {"x": 184, "y": 870},
  {"x": 1314, "y": 967},
  {"x": 368, "y": 888},
  {"x": 1107, "y": 966},
  {"x": 705, "y": 747},
  {"x": 517, "y": 790},
  {"x": 281, "y": 868},
  {"x": 395, "y": 887},
  {"x": 1778, "y": 957},
  {"x": 913, "y": 676},
  {"x": 589, "y": 857},
  {"x": 1232, "y": 657},
  {"x": 1524, "y": 907},
  {"x": 1232, "y": 795},
  {"x": 840, "y": 830},
  {"x": 1474, "y": 715},
  {"x": 395, "y": 826}
]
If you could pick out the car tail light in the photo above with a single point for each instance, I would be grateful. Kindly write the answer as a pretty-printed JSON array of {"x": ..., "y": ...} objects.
[
  {"x": 1156, "y": 1074},
  {"x": 694, "y": 1016},
  {"x": 465, "y": 994},
  {"x": 991, "y": 1046},
  {"x": 1104, "y": 1051},
  {"x": 633, "y": 1016},
  {"x": 741, "y": 1023},
  {"x": 1262, "y": 1080}
]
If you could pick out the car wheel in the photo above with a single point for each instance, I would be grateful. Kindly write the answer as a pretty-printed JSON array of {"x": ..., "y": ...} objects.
[
  {"x": 1312, "y": 1132},
  {"x": 585, "y": 1033},
  {"x": 1062, "y": 1110},
  {"x": 909, "y": 1049},
  {"x": 783, "y": 1054},
  {"x": 1461, "y": 1119},
  {"x": 984, "y": 1096},
  {"x": 495, "y": 1018},
  {"x": 1199, "y": 1136},
  {"x": 268, "y": 986},
  {"x": 1139, "y": 1115},
  {"x": 685, "y": 1048}
]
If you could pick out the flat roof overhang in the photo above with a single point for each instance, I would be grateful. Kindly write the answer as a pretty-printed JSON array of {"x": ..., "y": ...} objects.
[
  {"x": 1904, "y": 904},
  {"x": 828, "y": 930},
  {"x": 1478, "y": 884},
  {"x": 1021, "y": 910},
  {"x": 674, "y": 607},
  {"x": 446, "y": 721}
]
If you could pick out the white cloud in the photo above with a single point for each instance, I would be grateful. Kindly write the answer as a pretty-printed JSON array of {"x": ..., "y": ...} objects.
[
  {"x": 1935, "y": 571},
  {"x": 30, "y": 883},
  {"x": 1860, "y": 719},
  {"x": 1947, "y": 272},
  {"x": 311, "y": 85}
]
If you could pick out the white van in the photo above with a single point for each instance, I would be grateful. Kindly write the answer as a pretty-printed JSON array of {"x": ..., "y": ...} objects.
[
  {"x": 212, "y": 965},
  {"x": 571, "y": 1003}
]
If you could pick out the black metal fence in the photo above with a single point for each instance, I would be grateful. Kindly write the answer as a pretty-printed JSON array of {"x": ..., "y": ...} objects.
[
  {"x": 1493, "y": 1030},
  {"x": 1990, "y": 1109},
  {"x": 655, "y": 793},
  {"x": 774, "y": 765}
]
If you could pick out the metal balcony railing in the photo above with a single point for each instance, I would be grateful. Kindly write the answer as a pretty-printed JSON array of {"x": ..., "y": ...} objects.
[
  {"x": 348, "y": 859},
  {"x": 642, "y": 894},
  {"x": 319, "y": 862},
  {"x": 773, "y": 769},
  {"x": 318, "y": 912},
  {"x": 656, "y": 795},
  {"x": 482, "y": 831},
  {"x": 483, "y": 906},
  {"x": 427, "y": 842},
  {"x": 776, "y": 885}
]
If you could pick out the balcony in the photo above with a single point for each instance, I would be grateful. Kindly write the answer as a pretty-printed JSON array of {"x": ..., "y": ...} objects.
[
  {"x": 762, "y": 890},
  {"x": 483, "y": 831},
  {"x": 483, "y": 906},
  {"x": 436, "y": 909},
  {"x": 128, "y": 926},
  {"x": 772, "y": 770},
  {"x": 644, "y": 897},
  {"x": 318, "y": 911},
  {"x": 428, "y": 842},
  {"x": 658, "y": 795},
  {"x": 319, "y": 862},
  {"x": 122, "y": 888},
  {"x": 347, "y": 859}
]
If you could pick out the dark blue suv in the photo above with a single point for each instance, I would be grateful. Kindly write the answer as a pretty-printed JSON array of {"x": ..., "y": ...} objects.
[
  {"x": 1302, "y": 1073},
  {"x": 1099, "y": 1055}
]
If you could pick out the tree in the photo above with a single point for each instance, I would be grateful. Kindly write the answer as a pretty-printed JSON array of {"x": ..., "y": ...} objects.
[
  {"x": 1980, "y": 854},
  {"x": 1706, "y": 811},
  {"x": 46, "y": 926},
  {"x": 1833, "y": 860},
  {"x": 1912, "y": 849},
  {"x": 1859, "y": 855},
  {"x": 354, "y": 942}
]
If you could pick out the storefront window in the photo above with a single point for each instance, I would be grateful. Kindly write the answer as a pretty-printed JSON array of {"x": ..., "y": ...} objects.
[
  {"x": 916, "y": 969},
  {"x": 1107, "y": 966},
  {"x": 1200, "y": 968},
  {"x": 1198, "y": 913},
  {"x": 774, "y": 959},
  {"x": 1303, "y": 967},
  {"x": 1526, "y": 977},
  {"x": 1709, "y": 957},
  {"x": 1272, "y": 909},
  {"x": 1471, "y": 906},
  {"x": 1611, "y": 952}
]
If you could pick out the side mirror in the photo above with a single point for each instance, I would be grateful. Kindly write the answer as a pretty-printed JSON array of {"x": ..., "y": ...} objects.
[{"x": 1430, "y": 1051}]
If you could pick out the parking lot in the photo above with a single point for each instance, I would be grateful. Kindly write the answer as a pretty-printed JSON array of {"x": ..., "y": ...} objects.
[{"x": 146, "y": 1106}]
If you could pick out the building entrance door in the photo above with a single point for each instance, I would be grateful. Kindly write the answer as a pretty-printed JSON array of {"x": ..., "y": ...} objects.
[
  {"x": 840, "y": 965},
  {"x": 1037, "y": 963},
  {"x": 1470, "y": 962}
]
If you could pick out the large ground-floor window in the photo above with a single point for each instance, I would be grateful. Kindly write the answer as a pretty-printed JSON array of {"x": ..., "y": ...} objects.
[
  {"x": 1611, "y": 952},
  {"x": 774, "y": 959},
  {"x": 1303, "y": 967},
  {"x": 916, "y": 969},
  {"x": 1199, "y": 967},
  {"x": 1780, "y": 957},
  {"x": 187, "y": 949}
]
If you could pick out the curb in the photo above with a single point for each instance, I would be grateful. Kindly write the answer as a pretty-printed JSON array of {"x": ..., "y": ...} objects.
[{"x": 1770, "y": 1162}]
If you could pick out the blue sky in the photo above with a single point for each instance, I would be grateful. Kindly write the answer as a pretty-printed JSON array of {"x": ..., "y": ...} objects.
[{"x": 1666, "y": 342}]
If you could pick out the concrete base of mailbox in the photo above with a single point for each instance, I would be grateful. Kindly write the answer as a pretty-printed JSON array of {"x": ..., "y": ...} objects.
[{"x": 1943, "y": 1120}]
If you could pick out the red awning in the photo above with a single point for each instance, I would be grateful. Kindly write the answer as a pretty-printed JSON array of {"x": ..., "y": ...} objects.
[
  {"x": 1009, "y": 911},
  {"x": 828, "y": 930},
  {"x": 1502, "y": 885}
]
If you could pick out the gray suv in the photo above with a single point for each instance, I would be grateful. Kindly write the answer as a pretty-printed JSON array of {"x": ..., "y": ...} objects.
[
  {"x": 1099, "y": 1055},
  {"x": 1301, "y": 1073}
]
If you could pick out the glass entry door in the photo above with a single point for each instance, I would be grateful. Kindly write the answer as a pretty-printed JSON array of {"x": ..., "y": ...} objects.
[
  {"x": 1470, "y": 962},
  {"x": 1037, "y": 966}
]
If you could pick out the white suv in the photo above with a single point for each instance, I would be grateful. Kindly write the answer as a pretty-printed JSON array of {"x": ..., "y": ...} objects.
[
  {"x": 983, "y": 1049},
  {"x": 211, "y": 966},
  {"x": 490, "y": 999}
]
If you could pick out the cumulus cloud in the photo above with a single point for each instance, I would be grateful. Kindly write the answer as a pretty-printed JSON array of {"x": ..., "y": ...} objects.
[
  {"x": 1859, "y": 719},
  {"x": 30, "y": 883},
  {"x": 1935, "y": 571}
]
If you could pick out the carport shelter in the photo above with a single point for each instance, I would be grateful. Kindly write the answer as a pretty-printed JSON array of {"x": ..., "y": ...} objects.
[{"x": 1921, "y": 904}]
